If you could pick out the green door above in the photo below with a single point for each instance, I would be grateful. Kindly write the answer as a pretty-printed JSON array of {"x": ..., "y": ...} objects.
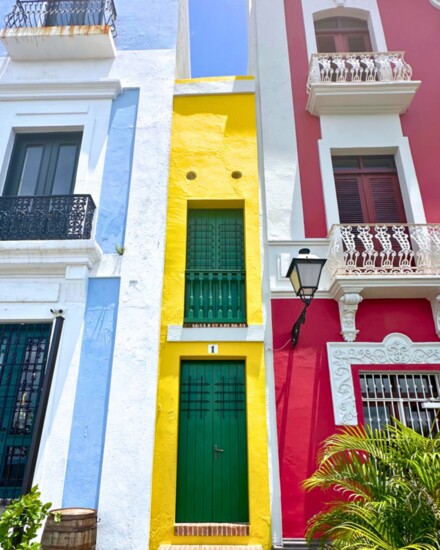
[
  {"x": 212, "y": 476},
  {"x": 215, "y": 290}
]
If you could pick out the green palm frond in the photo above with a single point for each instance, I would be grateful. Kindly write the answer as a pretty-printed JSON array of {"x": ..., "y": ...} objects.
[{"x": 387, "y": 490}]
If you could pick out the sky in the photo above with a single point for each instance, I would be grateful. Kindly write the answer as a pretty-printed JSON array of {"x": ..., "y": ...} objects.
[{"x": 218, "y": 31}]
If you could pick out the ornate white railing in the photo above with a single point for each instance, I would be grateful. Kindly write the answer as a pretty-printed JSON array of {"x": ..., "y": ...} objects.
[
  {"x": 358, "y": 67},
  {"x": 389, "y": 249}
]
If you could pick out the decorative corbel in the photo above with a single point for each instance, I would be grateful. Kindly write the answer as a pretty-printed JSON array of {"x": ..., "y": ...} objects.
[
  {"x": 348, "y": 305},
  {"x": 341, "y": 2},
  {"x": 435, "y": 303}
]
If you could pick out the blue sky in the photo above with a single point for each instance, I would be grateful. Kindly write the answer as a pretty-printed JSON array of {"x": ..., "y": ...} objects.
[{"x": 218, "y": 37}]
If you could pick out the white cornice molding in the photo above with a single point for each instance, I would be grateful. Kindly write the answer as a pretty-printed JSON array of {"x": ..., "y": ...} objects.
[
  {"x": 385, "y": 286},
  {"x": 69, "y": 90},
  {"x": 252, "y": 333},
  {"x": 396, "y": 349},
  {"x": 347, "y": 98},
  {"x": 300, "y": 243},
  {"x": 45, "y": 257}
]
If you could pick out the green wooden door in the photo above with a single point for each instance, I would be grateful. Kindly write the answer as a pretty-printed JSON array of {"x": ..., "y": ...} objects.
[
  {"x": 23, "y": 355},
  {"x": 212, "y": 476}
]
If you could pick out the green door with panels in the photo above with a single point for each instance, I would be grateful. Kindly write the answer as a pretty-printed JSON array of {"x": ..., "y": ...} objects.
[
  {"x": 23, "y": 356},
  {"x": 212, "y": 476},
  {"x": 215, "y": 275}
]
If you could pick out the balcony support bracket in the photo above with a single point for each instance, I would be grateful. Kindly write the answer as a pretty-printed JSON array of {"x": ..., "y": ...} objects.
[
  {"x": 435, "y": 302},
  {"x": 348, "y": 306}
]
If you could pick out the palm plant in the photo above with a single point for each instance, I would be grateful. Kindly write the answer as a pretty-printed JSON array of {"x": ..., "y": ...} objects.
[{"x": 386, "y": 486}]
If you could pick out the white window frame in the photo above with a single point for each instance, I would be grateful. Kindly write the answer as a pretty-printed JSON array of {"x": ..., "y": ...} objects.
[
  {"x": 84, "y": 107},
  {"x": 368, "y": 10}
]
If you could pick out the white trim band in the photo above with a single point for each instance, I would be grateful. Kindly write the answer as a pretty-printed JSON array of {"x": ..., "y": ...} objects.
[{"x": 252, "y": 333}]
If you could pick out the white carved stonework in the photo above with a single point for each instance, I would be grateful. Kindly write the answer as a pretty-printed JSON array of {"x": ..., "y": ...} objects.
[
  {"x": 352, "y": 68},
  {"x": 435, "y": 3},
  {"x": 435, "y": 302},
  {"x": 348, "y": 305},
  {"x": 387, "y": 249},
  {"x": 396, "y": 349}
]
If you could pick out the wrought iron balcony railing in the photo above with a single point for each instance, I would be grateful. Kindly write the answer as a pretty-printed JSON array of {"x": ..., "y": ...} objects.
[
  {"x": 57, "y": 13},
  {"x": 34, "y": 218},
  {"x": 356, "y": 68},
  {"x": 215, "y": 297},
  {"x": 385, "y": 249}
]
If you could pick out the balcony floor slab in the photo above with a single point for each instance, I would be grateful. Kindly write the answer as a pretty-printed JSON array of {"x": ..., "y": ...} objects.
[
  {"x": 54, "y": 43},
  {"x": 361, "y": 98},
  {"x": 386, "y": 286}
]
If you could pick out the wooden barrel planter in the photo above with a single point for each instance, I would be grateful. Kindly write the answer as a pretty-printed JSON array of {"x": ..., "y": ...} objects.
[{"x": 76, "y": 530}]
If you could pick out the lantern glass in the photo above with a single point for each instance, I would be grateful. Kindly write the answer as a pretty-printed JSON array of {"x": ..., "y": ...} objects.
[{"x": 304, "y": 274}]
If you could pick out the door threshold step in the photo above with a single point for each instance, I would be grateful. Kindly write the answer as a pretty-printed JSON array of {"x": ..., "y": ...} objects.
[{"x": 211, "y": 529}]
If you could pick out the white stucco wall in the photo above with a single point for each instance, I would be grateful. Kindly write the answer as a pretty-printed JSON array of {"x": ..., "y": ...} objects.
[{"x": 124, "y": 500}]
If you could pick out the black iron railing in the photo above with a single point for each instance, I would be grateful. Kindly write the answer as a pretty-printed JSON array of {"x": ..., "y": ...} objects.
[
  {"x": 46, "y": 218},
  {"x": 57, "y": 13}
]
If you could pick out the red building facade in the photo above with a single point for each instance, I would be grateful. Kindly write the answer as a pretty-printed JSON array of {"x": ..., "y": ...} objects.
[{"x": 363, "y": 192}]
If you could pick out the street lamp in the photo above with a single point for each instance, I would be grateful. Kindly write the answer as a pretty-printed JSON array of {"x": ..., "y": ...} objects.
[{"x": 304, "y": 274}]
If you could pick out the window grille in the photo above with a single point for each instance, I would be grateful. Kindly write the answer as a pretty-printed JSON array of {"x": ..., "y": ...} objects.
[{"x": 402, "y": 396}]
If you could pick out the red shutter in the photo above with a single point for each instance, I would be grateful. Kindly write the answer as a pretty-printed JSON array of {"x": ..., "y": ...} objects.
[
  {"x": 386, "y": 203},
  {"x": 326, "y": 43},
  {"x": 350, "y": 201},
  {"x": 359, "y": 42}
]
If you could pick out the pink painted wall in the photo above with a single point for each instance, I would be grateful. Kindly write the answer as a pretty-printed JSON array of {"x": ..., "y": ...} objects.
[
  {"x": 304, "y": 403},
  {"x": 307, "y": 126},
  {"x": 415, "y": 28}
]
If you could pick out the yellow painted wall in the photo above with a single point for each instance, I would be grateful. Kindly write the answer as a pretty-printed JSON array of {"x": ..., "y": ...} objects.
[{"x": 212, "y": 135}]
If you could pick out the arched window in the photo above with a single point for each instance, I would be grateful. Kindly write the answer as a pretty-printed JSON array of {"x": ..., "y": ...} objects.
[{"x": 342, "y": 34}]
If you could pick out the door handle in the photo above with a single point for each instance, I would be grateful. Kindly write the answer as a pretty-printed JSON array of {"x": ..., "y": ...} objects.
[{"x": 217, "y": 450}]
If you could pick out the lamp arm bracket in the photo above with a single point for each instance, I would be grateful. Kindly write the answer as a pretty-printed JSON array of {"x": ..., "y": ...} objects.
[{"x": 297, "y": 326}]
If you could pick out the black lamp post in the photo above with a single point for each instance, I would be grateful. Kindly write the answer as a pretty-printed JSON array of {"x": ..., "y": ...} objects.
[{"x": 304, "y": 274}]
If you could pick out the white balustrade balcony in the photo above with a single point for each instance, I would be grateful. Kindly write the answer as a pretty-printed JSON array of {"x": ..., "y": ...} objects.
[
  {"x": 385, "y": 260},
  {"x": 351, "y": 83}
]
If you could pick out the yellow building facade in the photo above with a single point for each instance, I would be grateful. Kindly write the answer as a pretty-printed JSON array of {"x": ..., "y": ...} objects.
[{"x": 213, "y": 168}]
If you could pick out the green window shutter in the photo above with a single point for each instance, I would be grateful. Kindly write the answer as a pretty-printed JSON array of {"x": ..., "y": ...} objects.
[
  {"x": 215, "y": 276},
  {"x": 201, "y": 246}
]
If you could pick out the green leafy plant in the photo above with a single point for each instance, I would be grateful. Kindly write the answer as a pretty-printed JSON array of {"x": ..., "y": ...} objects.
[
  {"x": 21, "y": 521},
  {"x": 386, "y": 490}
]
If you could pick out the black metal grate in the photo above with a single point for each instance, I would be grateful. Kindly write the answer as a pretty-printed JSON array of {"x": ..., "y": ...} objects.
[
  {"x": 195, "y": 396},
  {"x": 57, "y": 13},
  {"x": 23, "y": 355},
  {"x": 46, "y": 218},
  {"x": 230, "y": 396}
]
